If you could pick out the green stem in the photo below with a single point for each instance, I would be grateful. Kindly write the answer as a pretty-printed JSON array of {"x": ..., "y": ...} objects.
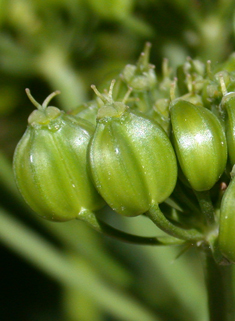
[
  {"x": 100, "y": 226},
  {"x": 159, "y": 219},
  {"x": 219, "y": 285},
  {"x": 206, "y": 206}
]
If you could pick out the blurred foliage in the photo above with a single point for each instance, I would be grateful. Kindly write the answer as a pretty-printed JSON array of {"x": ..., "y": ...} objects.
[{"x": 68, "y": 45}]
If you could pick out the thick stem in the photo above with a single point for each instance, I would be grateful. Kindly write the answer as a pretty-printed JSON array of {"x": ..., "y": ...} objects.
[
  {"x": 100, "y": 226},
  {"x": 219, "y": 284}
]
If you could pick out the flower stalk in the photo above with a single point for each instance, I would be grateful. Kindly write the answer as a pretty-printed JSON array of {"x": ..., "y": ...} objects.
[{"x": 220, "y": 288}]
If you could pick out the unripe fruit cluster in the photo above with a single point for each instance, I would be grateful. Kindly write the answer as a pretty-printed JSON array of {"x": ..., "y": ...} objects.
[{"x": 130, "y": 146}]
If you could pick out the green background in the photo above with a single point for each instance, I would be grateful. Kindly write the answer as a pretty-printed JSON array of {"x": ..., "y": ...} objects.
[{"x": 65, "y": 271}]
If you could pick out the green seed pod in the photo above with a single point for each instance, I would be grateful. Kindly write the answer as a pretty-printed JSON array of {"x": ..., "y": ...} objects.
[
  {"x": 227, "y": 223},
  {"x": 199, "y": 142},
  {"x": 228, "y": 103},
  {"x": 193, "y": 98},
  {"x": 50, "y": 164},
  {"x": 131, "y": 158},
  {"x": 140, "y": 77},
  {"x": 87, "y": 111},
  {"x": 160, "y": 113},
  {"x": 191, "y": 70},
  {"x": 211, "y": 92}
]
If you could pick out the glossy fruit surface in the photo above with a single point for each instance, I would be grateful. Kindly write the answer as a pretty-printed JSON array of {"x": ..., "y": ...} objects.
[
  {"x": 132, "y": 161},
  {"x": 200, "y": 144},
  {"x": 228, "y": 102},
  {"x": 50, "y": 165},
  {"x": 227, "y": 223}
]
